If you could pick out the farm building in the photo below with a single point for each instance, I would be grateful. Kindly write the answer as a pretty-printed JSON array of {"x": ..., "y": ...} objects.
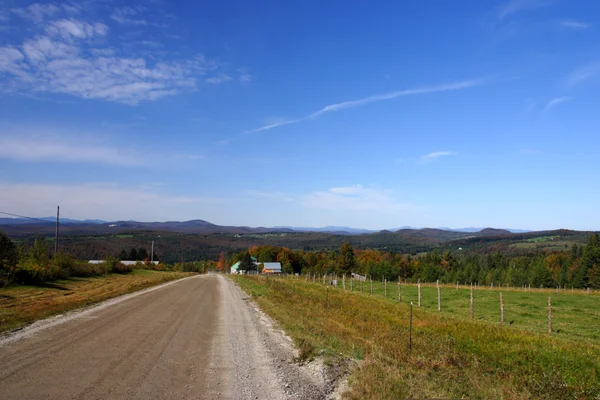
[
  {"x": 235, "y": 268},
  {"x": 271, "y": 268},
  {"x": 359, "y": 277},
  {"x": 124, "y": 262}
]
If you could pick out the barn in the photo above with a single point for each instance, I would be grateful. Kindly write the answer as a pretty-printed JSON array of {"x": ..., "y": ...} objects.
[{"x": 271, "y": 268}]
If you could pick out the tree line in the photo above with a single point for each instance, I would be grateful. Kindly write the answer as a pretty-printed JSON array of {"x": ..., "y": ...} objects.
[{"x": 577, "y": 267}]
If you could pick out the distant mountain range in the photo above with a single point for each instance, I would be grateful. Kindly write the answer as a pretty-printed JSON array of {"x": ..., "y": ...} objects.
[{"x": 23, "y": 225}]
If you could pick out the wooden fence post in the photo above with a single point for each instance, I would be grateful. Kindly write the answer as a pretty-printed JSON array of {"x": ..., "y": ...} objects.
[
  {"x": 371, "y": 278},
  {"x": 439, "y": 299},
  {"x": 410, "y": 329},
  {"x": 399, "y": 292},
  {"x": 344, "y": 281},
  {"x": 472, "y": 310},
  {"x": 419, "y": 293},
  {"x": 385, "y": 288},
  {"x": 501, "y": 309},
  {"x": 351, "y": 283},
  {"x": 456, "y": 285},
  {"x": 437, "y": 283},
  {"x": 588, "y": 290},
  {"x": 549, "y": 314}
]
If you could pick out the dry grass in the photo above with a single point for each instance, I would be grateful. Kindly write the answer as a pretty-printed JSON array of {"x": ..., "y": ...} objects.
[
  {"x": 20, "y": 305},
  {"x": 450, "y": 357}
]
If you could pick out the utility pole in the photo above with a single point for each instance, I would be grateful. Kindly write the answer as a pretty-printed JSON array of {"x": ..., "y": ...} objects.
[
  {"x": 56, "y": 233},
  {"x": 152, "y": 253}
]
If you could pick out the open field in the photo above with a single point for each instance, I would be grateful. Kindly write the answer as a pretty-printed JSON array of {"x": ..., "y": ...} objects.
[
  {"x": 451, "y": 355},
  {"x": 575, "y": 314},
  {"x": 20, "y": 305}
]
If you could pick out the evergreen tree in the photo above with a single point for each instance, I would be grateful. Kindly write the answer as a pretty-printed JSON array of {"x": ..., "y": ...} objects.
[
  {"x": 8, "y": 252},
  {"x": 133, "y": 256},
  {"x": 142, "y": 254},
  {"x": 246, "y": 263}
]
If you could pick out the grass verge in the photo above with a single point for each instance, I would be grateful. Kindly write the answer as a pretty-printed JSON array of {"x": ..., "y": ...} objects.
[
  {"x": 20, "y": 305},
  {"x": 450, "y": 357}
]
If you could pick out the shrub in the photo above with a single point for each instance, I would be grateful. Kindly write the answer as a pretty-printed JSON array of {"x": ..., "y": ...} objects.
[
  {"x": 65, "y": 263},
  {"x": 121, "y": 268},
  {"x": 31, "y": 273},
  {"x": 83, "y": 269}
]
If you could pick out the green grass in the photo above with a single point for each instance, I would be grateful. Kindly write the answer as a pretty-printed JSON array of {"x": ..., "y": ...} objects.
[
  {"x": 452, "y": 356},
  {"x": 575, "y": 315},
  {"x": 20, "y": 305}
]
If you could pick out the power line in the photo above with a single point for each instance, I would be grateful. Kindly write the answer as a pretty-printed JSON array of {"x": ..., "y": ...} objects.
[
  {"x": 26, "y": 217},
  {"x": 38, "y": 219}
]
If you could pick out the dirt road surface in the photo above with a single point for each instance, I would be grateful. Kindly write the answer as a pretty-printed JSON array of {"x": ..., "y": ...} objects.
[{"x": 198, "y": 338}]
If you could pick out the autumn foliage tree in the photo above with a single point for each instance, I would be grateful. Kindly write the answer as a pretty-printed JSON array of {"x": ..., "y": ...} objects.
[{"x": 222, "y": 263}]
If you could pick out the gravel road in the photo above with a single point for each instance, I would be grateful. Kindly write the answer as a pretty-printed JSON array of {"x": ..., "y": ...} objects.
[{"x": 197, "y": 338}]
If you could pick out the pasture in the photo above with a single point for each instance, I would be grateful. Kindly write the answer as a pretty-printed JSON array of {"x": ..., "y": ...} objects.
[{"x": 450, "y": 355}]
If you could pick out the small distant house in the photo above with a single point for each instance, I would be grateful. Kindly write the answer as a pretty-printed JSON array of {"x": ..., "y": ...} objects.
[
  {"x": 271, "y": 268},
  {"x": 358, "y": 277},
  {"x": 235, "y": 268}
]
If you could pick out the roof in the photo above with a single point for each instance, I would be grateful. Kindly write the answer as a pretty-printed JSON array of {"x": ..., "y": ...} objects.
[
  {"x": 124, "y": 262},
  {"x": 275, "y": 266},
  {"x": 236, "y": 265}
]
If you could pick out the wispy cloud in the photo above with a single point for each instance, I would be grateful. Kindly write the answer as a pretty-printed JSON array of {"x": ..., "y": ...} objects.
[
  {"x": 516, "y": 6},
  {"x": 584, "y": 73},
  {"x": 437, "y": 154},
  {"x": 372, "y": 99},
  {"x": 57, "y": 150},
  {"x": 65, "y": 149},
  {"x": 106, "y": 201},
  {"x": 572, "y": 24},
  {"x": 221, "y": 78},
  {"x": 124, "y": 15},
  {"x": 356, "y": 198},
  {"x": 555, "y": 102},
  {"x": 69, "y": 58}
]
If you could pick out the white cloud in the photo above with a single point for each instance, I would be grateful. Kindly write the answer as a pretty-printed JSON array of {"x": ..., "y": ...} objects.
[
  {"x": 355, "y": 199},
  {"x": 37, "y": 12},
  {"x": 54, "y": 66},
  {"x": 20, "y": 146},
  {"x": 574, "y": 24},
  {"x": 104, "y": 201},
  {"x": 555, "y": 102},
  {"x": 516, "y": 6},
  {"x": 73, "y": 29},
  {"x": 123, "y": 15},
  {"x": 69, "y": 59},
  {"x": 221, "y": 78},
  {"x": 372, "y": 99},
  {"x": 584, "y": 73},
  {"x": 437, "y": 154},
  {"x": 66, "y": 150}
]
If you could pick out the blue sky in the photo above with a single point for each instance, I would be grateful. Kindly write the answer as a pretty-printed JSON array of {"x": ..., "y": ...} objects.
[{"x": 312, "y": 113}]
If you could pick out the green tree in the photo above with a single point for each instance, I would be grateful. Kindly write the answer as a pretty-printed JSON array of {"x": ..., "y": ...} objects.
[
  {"x": 8, "y": 253},
  {"x": 142, "y": 254},
  {"x": 133, "y": 255},
  {"x": 39, "y": 252},
  {"x": 590, "y": 263},
  {"x": 122, "y": 255},
  {"x": 246, "y": 263},
  {"x": 346, "y": 260}
]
